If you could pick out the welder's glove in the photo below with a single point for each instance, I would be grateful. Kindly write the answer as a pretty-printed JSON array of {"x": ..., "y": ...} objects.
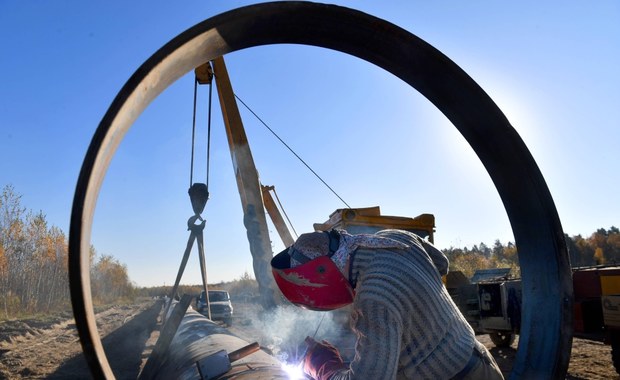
[{"x": 322, "y": 360}]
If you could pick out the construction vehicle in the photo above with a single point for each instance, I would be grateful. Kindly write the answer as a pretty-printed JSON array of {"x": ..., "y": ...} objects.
[
  {"x": 369, "y": 220},
  {"x": 597, "y": 306},
  {"x": 256, "y": 198},
  {"x": 491, "y": 303},
  {"x": 529, "y": 204}
]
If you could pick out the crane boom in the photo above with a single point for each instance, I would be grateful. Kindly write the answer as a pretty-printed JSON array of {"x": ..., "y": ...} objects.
[
  {"x": 276, "y": 216},
  {"x": 247, "y": 183}
]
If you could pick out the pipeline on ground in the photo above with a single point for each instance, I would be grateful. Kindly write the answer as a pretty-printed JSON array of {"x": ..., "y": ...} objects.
[{"x": 202, "y": 349}]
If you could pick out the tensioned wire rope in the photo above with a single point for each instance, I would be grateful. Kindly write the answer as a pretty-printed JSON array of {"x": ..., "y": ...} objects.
[
  {"x": 262, "y": 122},
  {"x": 266, "y": 126},
  {"x": 291, "y": 150},
  {"x": 191, "y": 170},
  {"x": 285, "y": 214}
]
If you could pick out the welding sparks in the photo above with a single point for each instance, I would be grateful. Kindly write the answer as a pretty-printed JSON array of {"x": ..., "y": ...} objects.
[
  {"x": 294, "y": 371},
  {"x": 293, "y": 367}
]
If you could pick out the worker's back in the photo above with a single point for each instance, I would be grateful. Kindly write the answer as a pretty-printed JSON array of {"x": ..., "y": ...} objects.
[{"x": 409, "y": 326}]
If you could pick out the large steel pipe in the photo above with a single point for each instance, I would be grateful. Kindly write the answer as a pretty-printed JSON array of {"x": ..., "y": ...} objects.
[
  {"x": 199, "y": 339},
  {"x": 546, "y": 333}
]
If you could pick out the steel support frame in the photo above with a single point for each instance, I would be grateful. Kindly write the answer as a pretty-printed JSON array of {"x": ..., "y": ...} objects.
[
  {"x": 546, "y": 333},
  {"x": 248, "y": 186}
]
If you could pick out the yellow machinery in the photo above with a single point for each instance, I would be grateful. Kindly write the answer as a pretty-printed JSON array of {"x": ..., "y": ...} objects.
[
  {"x": 370, "y": 220},
  {"x": 256, "y": 198}
]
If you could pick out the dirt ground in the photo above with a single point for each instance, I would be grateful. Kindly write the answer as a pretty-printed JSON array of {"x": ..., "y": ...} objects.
[
  {"x": 589, "y": 359},
  {"x": 50, "y": 348}
]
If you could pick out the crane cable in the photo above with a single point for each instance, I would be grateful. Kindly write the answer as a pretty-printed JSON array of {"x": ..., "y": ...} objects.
[
  {"x": 191, "y": 170},
  {"x": 209, "y": 133},
  {"x": 199, "y": 195},
  {"x": 284, "y": 212},
  {"x": 291, "y": 150},
  {"x": 191, "y": 163}
]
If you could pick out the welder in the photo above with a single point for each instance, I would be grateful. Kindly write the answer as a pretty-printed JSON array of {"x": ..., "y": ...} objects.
[{"x": 406, "y": 323}]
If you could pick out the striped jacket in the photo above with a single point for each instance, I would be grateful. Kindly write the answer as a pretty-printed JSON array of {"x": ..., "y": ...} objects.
[{"x": 406, "y": 322}]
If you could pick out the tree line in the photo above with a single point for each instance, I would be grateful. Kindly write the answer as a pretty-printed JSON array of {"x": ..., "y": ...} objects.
[
  {"x": 243, "y": 287},
  {"x": 602, "y": 247},
  {"x": 34, "y": 264}
]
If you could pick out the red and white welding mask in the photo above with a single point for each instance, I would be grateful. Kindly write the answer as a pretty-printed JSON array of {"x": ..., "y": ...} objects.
[{"x": 316, "y": 283}]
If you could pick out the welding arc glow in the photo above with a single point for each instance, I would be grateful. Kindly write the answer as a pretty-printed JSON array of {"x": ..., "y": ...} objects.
[{"x": 294, "y": 371}]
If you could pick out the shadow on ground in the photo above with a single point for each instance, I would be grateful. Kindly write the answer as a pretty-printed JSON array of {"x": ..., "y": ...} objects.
[{"x": 123, "y": 348}]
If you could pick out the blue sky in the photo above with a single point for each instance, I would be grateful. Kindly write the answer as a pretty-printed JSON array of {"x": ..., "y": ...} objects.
[{"x": 551, "y": 67}]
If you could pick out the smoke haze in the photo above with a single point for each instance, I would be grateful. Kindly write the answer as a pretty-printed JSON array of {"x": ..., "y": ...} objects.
[{"x": 284, "y": 329}]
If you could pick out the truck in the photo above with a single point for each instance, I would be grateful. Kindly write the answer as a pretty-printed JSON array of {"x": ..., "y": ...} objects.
[
  {"x": 369, "y": 220},
  {"x": 491, "y": 303},
  {"x": 597, "y": 306}
]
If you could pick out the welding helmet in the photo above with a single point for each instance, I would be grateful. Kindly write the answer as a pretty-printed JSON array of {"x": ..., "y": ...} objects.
[{"x": 315, "y": 284}]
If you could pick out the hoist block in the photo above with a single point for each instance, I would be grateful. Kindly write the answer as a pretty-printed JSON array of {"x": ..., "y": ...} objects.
[
  {"x": 198, "y": 195},
  {"x": 204, "y": 73}
]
